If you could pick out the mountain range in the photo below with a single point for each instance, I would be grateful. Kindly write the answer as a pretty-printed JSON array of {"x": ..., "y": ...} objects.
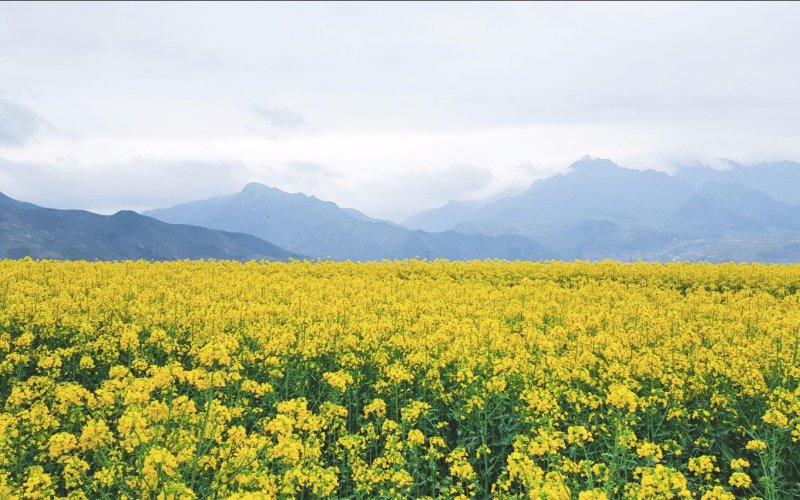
[
  {"x": 601, "y": 210},
  {"x": 45, "y": 233},
  {"x": 595, "y": 210},
  {"x": 321, "y": 229}
]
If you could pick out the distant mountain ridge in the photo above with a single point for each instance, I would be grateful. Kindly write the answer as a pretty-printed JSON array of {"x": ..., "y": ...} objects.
[
  {"x": 33, "y": 231},
  {"x": 779, "y": 180},
  {"x": 442, "y": 218},
  {"x": 596, "y": 210},
  {"x": 316, "y": 228},
  {"x": 601, "y": 210}
]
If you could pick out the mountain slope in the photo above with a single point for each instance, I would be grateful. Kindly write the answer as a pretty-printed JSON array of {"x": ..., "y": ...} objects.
[
  {"x": 601, "y": 210},
  {"x": 307, "y": 225},
  {"x": 442, "y": 218},
  {"x": 620, "y": 207},
  {"x": 593, "y": 189},
  {"x": 778, "y": 180},
  {"x": 29, "y": 230},
  {"x": 727, "y": 209}
]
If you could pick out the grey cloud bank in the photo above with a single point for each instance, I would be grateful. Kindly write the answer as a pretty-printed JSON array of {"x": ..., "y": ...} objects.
[
  {"x": 136, "y": 185},
  {"x": 280, "y": 116},
  {"x": 18, "y": 123},
  {"x": 373, "y": 93}
]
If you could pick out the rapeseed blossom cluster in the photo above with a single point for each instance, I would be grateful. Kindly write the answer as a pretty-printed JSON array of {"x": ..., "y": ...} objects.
[{"x": 399, "y": 379}]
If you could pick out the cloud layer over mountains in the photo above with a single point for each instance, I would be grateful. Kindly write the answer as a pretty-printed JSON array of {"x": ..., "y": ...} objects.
[
  {"x": 596, "y": 210},
  {"x": 401, "y": 105}
]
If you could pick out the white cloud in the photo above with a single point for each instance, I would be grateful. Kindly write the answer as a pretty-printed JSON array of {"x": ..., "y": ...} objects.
[
  {"x": 392, "y": 90},
  {"x": 137, "y": 184},
  {"x": 280, "y": 116},
  {"x": 18, "y": 124}
]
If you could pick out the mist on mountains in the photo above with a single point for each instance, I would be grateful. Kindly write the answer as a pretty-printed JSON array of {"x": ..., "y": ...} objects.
[{"x": 597, "y": 210}]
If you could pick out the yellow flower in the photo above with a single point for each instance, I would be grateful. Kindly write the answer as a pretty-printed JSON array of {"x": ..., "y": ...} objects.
[
  {"x": 75, "y": 470},
  {"x": 739, "y": 463},
  {"x": 377, "y": 407},
  {"x": 662, "y": 482},
  {"x": 411, "y": 413},
  {"x": 739, "y": 480},
  {"x": 397, "y": 373},
  {"x": 38, "y": 484},
  {"x": 595, "y": 494},
  {"x": 496, "y": 384},
  {"x": 652, "y": 450},
  {"x": 129, "y": 337},
  {"x": 415, "y": 437},
  {"x": 775, "y": 417},
  {"x": 718, "y": 493},
  {"x": 338, "y": 380},
  {"x": 61, "y": 443},
  {"x": 86, "y": 362},
  {"x": 620, "y": 396},
  {"x": 118, "y": 372},
  {"x": 159, "y": 460},
  {"x": 105, "y": 477},
  {"x": 578, "y": 435},
  {"x": 704, "y": 466},
  {"x": 95, "y": 434},
  {"x": 459, "y": 466}
]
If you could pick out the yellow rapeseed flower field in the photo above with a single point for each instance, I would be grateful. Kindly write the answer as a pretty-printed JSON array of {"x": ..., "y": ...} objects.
[{"x": 399, "y": 379}]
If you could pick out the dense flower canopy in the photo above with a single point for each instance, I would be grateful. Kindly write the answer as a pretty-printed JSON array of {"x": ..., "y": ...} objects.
[{"x": 399, "y": 379}]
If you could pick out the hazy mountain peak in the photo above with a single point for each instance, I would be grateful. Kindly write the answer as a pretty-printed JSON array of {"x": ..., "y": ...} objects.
[
  {"x": 126, "y": 213},
  {"x": 256, "y": 188},
  {"x": 258, "y": 191},
  {"x": 318, "y": 228},
  {"x": 444, "y": 217},
  {"x": 594, "y": 164},
  {"x": 253, "y": 187}
]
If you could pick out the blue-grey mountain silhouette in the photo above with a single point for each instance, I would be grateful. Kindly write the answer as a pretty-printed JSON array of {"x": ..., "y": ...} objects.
[
  {"x": 316, "y": 228},
  {"x": 27, "y": 230},
  {"x": 600, "y": 210}
]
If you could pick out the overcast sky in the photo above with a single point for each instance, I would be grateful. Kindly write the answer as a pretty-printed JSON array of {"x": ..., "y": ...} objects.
[{"x": 390, "y": 108}]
